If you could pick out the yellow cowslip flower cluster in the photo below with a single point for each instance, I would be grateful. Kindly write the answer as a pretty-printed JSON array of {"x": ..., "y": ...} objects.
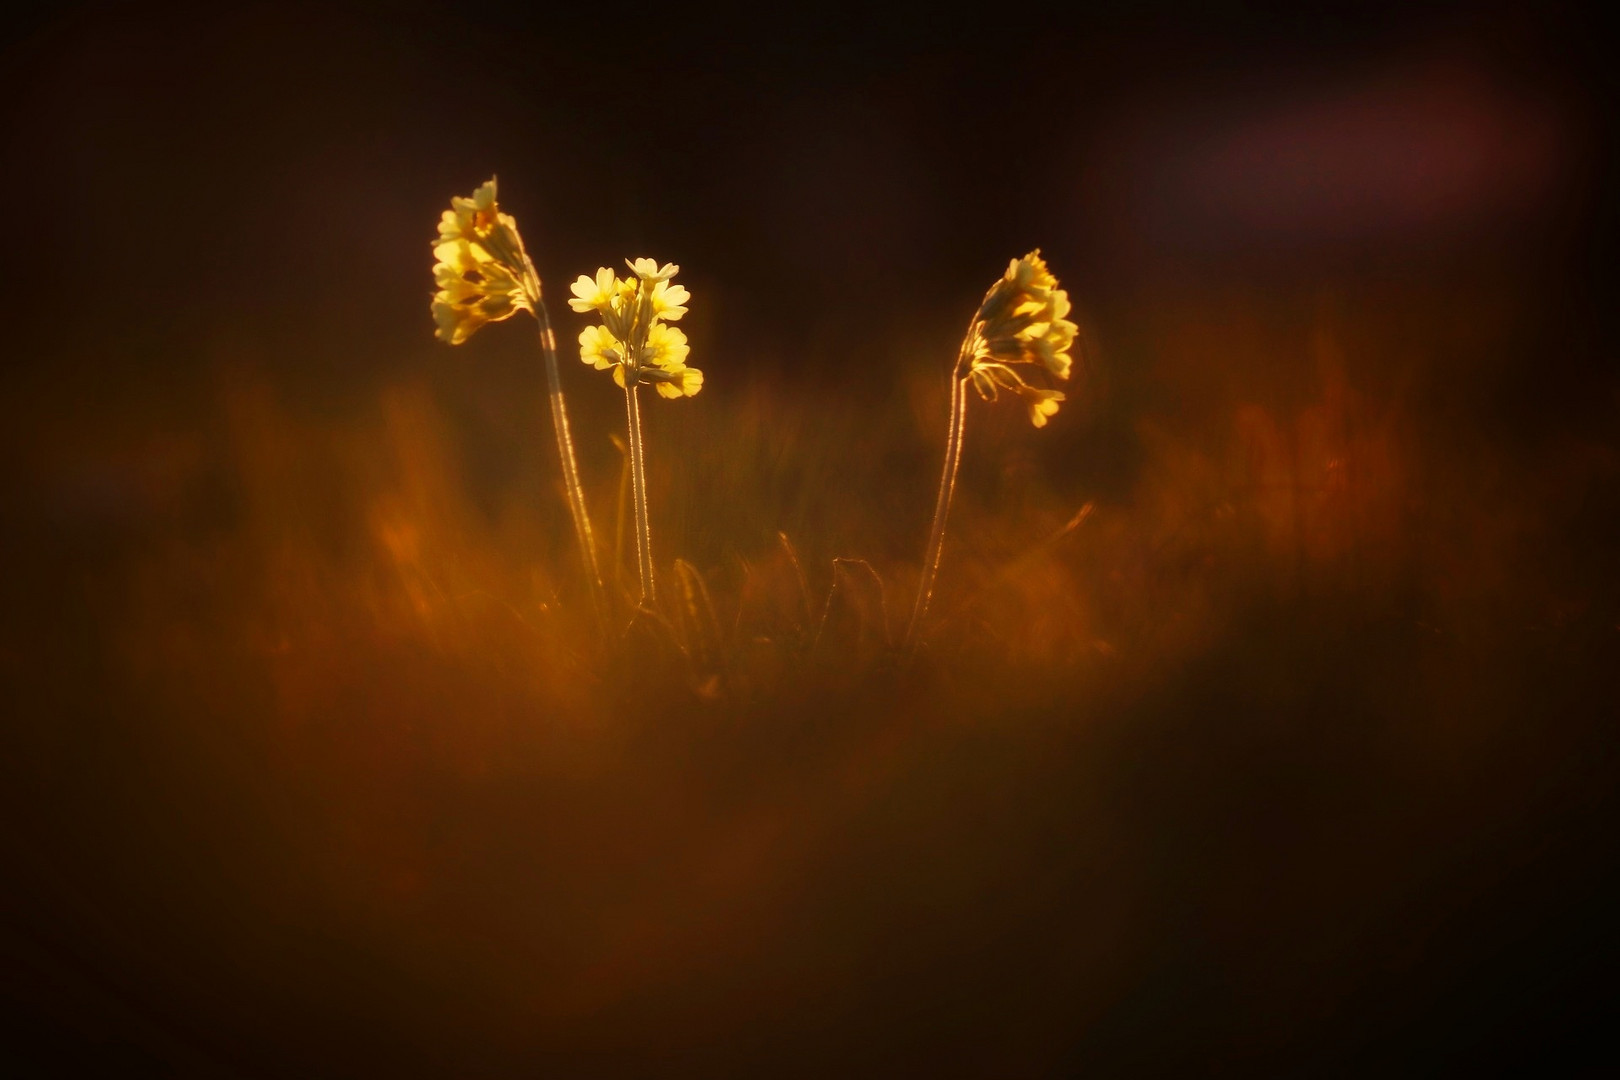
[
  {"x": 482, "y": 271},
  {"x": 634, "y": 338},
  {"x": 1021, "y": 321}
]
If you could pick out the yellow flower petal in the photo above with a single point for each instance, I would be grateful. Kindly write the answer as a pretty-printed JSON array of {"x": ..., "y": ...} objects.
[
  {"x": 682, "y": 383},
  {"x": 649, "y": 270},
  {"x": 666, "y": 347},
  {"x": 669, "y": 301},
  {"x": 599, "y": 348},
  {"x": 1042, "y": 403}
]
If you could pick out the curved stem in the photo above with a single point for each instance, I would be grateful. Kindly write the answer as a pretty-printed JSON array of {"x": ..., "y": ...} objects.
[
  {"x": 942, "y": 506},
  {"x": 638, "y": 484},
  {"x": 565, "y": 450}
]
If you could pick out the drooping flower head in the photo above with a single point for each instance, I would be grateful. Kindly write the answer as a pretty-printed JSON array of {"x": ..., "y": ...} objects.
[
  {"x": 480, "y": 267},
  {"x": 1021, "y": 323},
  {"x": 634, "y": 338}
]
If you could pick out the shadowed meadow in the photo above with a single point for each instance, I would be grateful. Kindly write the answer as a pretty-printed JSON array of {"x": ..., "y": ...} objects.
[{"x": 1261, "y": 719}]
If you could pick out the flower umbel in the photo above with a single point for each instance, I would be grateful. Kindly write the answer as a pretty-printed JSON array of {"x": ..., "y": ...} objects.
[
  {"x": 481, "y": 270},
  {"x": 1021, "y": 324},
  {"x": 634, "y": 338}
]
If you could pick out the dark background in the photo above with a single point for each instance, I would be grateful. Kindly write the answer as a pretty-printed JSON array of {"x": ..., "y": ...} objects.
[
  {"x": 194, "y": 175},
  {"x": 1250, "y": 778}
]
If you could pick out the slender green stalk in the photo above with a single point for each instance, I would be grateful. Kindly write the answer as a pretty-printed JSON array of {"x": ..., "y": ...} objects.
[
  {"x": 942, "y": 505},
  {"x": 638, "y": 483},
  {"x": 565, "y": 450}
]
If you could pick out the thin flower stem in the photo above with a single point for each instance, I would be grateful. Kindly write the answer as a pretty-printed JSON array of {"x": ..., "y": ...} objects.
[
  {"x": 638, "y": 483},
  {"x": 942, "y": 506},
  {"x": 620, "y": 509},
  {"x": 570, "y": 469}
]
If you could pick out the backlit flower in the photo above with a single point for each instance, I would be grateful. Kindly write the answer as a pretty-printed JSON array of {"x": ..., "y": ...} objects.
[
  {"x": 634, "y": 338},
  {"x": 649, "y": 270},
  {"x": 1021, "y": 324},
  {"x": 1022, "y": 321},
  {"x": 482, "y": 274},
  {"x": 683, "y": 382},
  {"x": 594, "y": 295},
  {"x": 1042, "y": 403},
  {"x": 599, "y": 348},
  {"x": 666, "y": 346},
  {"x": 473, "y": 289},
  {"x": 470, "y": 218},
  {"x": 481, "y": 271},
  {"x": 668, "y": 301}
]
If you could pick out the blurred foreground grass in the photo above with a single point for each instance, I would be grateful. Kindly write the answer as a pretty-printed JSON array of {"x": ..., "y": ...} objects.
[{"x": 1257, "y": 727}]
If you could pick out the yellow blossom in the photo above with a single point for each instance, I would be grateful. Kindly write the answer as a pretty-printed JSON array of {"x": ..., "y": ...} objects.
[
  {"x": 634, "y": 338},
  {"x": 681, "y": 383},
  {"x": 599, "y": 348},
  {"x": 1030, "y": 277},
  {"x": 594, "y": 295},
  {"x": 470, "y": 218},
  {"x": 1042, "y": 403},
  {"x": 669, "y": 301},
  {"x": 649, "y": 270},
  {"x": 481, "y": 271},
  {"x": 666, "y": 346},
  {"x": 473, "y": 290},
  {"x": 1022, "y": 321}
]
